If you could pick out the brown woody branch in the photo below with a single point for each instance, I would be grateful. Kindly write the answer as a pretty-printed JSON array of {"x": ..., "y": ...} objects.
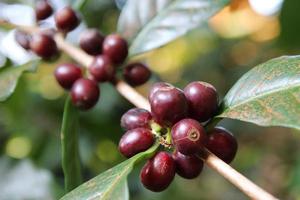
[{"x": 241, "y": 182}]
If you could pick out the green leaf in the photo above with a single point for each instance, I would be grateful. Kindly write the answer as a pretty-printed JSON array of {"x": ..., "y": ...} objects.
[
  {"x": 111, "y": 184},
  {"x": 9, "y": 77},
  {"x": 268, "y": 95},
  {"x": 69, "y": 144},
  {"x": 153, "y": 23}
]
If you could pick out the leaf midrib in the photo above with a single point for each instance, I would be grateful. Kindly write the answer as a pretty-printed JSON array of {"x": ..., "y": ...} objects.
[
  {"x": 259, "y": 97},
  {"x": 116, "y": 181}
]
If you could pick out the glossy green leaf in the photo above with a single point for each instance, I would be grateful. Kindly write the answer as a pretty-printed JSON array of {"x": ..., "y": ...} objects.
[
  {"x": 153, "y": 23},
  {"x": 69, "y": 144},
  {"x": 10, "y": 75},
  {"x": 111, "y": 184},
  {"x": 268, "y": 95}
]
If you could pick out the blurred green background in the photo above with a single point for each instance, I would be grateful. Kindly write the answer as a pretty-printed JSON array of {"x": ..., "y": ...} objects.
[{"x": 241, "y": 36}]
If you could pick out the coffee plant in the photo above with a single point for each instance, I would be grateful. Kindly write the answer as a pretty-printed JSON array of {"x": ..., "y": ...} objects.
[{"x": 174, "y": 130}]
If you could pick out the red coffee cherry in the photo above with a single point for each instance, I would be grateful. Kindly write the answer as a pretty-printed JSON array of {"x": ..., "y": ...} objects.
[
  {"x": 66, "y": 19},
  {"x": 203, "y": 100},
  {"x": 102, "y": 69},
  {"x": 168, "y": 105},
  {"x": 188, "y": 136},
  {"x": 135, "y": 141},
  {"x": 67, "y": 74},
  {"x": 136, "y": 74},
  {"x": 157, "y": 86},
  {"x": 43, "y": 10},
  {"x": 85, "y": 93},
  {"x": 222, "y": 143},
  {"x": 158, "y": 173},
  {"x": 43, "y": 45},
  {"x": 116, "y": 48},
  {"x": 188, "y": 167},
  {"x": 91, "y": 41},
  {"x": 136, "y": 118},
  {"x": 23, "y": 39}
]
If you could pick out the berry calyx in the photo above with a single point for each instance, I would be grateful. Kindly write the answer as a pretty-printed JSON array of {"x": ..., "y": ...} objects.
[
  {"x": 91, "y": 41},
  {"x": 67, "y": 74},
  {"x": 222, "y": 143},
  {"x": 43, "y": 45},
  {"x": 85, "y": 93},
  {"x": 23, "y": 39},
  {"x": 202, "y": 99},
  {"x": 188, "y": 136},
  {"x": 188, "y": 167},
  {"x": 168, "y": 105},
  {"x": 158, "y": 173},
  {"x": 135, "y": 141},
  {"x": 136, "y": 74},
  {"x": 66, "y": 19},
  {"x": 102, "y": 69},
  {"x": 116, "y": 48},
  {"x": 136, "y": 118},
  {"x": 43, "y": 10}
]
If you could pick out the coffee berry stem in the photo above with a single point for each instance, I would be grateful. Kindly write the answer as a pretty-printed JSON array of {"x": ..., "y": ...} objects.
[
  {"x": 241, "y": 182},
  {"x": 237, "y": 179}
]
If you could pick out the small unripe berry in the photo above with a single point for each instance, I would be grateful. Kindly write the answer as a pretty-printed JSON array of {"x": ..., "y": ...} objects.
[
  {"x": 222, "y": 143},
  {"x": 188, "y": 136},
  {"x": 156, "y": 86},
  {"x": 91, "y": 41},
  {"x": 67, "y": 74},
  {"x": 23, "y": 39},
  {"x": 102, "y": 69},
  {"x": 43, "y": 45},
  {"x": 43, "y": 10},
  {"x": 135, "y": 141},
  {"x": 136, "y": 118},
  {"x": 202, "y": 99},
  {"x": 168, "y": 105},
  {"x": 116, "y": 48},
  {"x": 85, "y": 93},
  {"x": 66, "y": 19},
  {"x": 188, "y": 167},
  {"x": 136, "y": 74},
  {"x": 158, "y": 173}
]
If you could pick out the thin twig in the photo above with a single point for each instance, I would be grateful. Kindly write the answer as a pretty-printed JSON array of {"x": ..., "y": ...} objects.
[{"x": 237, "y": 179}]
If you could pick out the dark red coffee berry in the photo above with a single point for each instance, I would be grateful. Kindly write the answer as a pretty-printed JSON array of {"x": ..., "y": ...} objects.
[
  {"x": 168, "y": 105},
  {"x": 158, "y": 173},
  {"x": 43, "y": 10},
  {"x": 66, "y": 19},
  {"x": 85, "y": 93},
  {"x": 135, "y": 141},
  {"x": 157, "y": 86},
  {"x": 43, "y": 45},
  {"x": 23, "y": 39},
  {"x": 67, "y": 74},
  {"x": 102, "y": 69},
  {"x": 136, "y": 118},
  {"x": 188, "y": 167},
  {"x": 222, "y": 143},
  {"x": 91, "y": 41},
  {"x": 115, "y": 47},
  {"x": 188, "y": 136},
  {"x": 203, "y": 100},
  {"x": 136, "y": 74}
]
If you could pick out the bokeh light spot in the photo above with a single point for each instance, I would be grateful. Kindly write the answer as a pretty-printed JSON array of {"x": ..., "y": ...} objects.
[{"x": 18, "y": 147}]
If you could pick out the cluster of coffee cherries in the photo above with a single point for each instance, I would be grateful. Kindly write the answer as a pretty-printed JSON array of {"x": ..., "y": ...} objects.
[
  {"x": 108, "y": 53},
  {"x": 176, "y": 122}
]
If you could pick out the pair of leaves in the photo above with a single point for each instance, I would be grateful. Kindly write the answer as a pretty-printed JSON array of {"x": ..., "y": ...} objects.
[
  {"x": 10, "y": 75},
  {"x": 111, "y": 184},
  {"x": 150, "y": 24}
]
